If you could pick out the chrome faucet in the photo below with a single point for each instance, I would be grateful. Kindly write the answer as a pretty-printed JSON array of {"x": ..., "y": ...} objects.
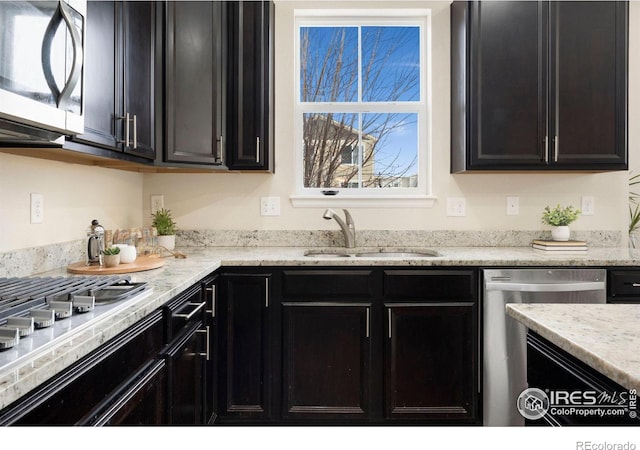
[{"x": 348, "y": 228}]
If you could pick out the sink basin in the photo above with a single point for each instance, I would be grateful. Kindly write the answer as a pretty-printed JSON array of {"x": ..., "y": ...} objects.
[
  {"x": 398, "y": 254},
  {"x": 366, "y": 252},
  {"x": 328, "y": 253}
]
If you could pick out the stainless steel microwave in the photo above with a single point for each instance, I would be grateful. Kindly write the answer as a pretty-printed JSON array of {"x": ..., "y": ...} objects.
[{"x": 41, "y": 69}]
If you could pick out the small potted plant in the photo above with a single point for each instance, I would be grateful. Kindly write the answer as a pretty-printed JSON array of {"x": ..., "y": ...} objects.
[
  {"x": 111, "y": 256},
  {"x": 559, "y": 218},
  {"x": 166, "y": 228}
]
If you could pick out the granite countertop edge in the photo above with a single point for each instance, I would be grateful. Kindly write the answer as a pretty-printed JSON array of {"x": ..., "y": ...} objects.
[
  {"x": 600, "y": 335},
  {"x": 179, "y": 274}
]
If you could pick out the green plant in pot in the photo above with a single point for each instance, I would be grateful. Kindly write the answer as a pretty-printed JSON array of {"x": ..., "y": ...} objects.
[
  {"x": 559, "y": 219},
  {"x": 166, "y": 227},
  {"x": 111, "y": 256}
]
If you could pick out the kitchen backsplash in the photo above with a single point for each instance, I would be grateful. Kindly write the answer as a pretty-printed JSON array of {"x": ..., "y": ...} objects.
[{"x": 31, "y": 261}]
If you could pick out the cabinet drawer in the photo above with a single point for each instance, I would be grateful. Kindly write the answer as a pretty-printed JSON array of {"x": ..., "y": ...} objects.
[
  {"x": 624, "y": 283},
  {"x": 327, "y": 284},
  {"x": 429, "y": 284}
]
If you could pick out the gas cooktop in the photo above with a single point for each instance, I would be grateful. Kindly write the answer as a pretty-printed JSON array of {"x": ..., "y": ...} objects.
[{"x": 39, "y": 313}]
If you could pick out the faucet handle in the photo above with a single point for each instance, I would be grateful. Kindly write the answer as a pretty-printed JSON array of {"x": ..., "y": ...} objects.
[{"x": 348, "y": 218}]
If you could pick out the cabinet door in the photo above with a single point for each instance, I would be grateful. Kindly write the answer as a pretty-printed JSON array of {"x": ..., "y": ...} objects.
[
  {"x": 508, "y": 57},
  {"x": 326, "y": 360},
  {"x": 588, "y": 107},
  {"x": 143, "y": 403},
  {"x": 431, "y": 361},
  {"x": 194, "y": 82},
  {"x": 249, "y": 81},
  {"x": 103, "y": 101},
  {"x": 187, "y": 369},
  {"x": 244, "y": 380},
  {"x": 139, "y": 76}
]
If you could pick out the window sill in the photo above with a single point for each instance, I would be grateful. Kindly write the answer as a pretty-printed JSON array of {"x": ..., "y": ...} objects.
[{"x": 354, "y": 201}]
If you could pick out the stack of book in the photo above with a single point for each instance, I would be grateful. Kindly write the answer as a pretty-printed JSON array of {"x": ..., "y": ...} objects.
[{"x": 559, "y": 247}]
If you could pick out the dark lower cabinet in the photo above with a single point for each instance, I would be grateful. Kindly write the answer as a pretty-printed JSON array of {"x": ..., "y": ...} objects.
[
  {"x": 348, "y": 345},
  {"x": 574, "y": 389},
  {"x": 141, "y": 403},
  {"x": 97, "y": 388},
  {"x": 326, "y": 360},
  {"x": 187, "y": 356},
  {"x": 244, "y": 381},
  {"x": 430, "y": 363},
  {"x": 185, "y": 360}
]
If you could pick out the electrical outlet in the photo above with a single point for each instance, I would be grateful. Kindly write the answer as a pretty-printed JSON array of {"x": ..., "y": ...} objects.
[
  {"x": 588, "y": 207},
  {"x": 513, "y": 206},
  {"x": 456, "y": 206},
  {"x": 157, "y": 203},
  {"x": 270, "y": 206},
  {"x": 37, "y": 208}
]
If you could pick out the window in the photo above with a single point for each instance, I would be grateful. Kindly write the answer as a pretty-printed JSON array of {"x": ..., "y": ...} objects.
[{"x": 362, "y": 103}]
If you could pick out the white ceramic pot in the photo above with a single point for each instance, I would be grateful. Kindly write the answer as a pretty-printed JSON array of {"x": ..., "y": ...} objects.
[
  {"x": 111, "y": 260},
  {"x": 560, "y": 233},
  {"x": 128, "y": 253},
  {"x": 168, "y": 242}
]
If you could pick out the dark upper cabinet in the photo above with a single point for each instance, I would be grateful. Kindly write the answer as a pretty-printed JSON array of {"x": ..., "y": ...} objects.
[
  {"x": 249, "y": 81},
  {"x": 194, "y": 77},
  {"x": 119, "y": 81},
  {"x": 539, "y": 85}
]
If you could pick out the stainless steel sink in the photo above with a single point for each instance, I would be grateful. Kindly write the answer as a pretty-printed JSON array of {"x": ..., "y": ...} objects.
[{"x": 369, "y": 252}]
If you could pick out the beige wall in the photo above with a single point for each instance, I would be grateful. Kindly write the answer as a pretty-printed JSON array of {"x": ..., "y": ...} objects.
[
  {"x": 227, "y": 201},
  {"x": 73, "y": 196},
  {"x": 76, "y": 194}
]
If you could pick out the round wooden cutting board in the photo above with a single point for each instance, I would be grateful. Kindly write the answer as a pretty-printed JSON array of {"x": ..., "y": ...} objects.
[{"x": 141, "y": 263}]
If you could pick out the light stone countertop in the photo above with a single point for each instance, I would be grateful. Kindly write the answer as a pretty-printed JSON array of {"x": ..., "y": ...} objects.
[
  {"x": 605, "y": 337},
  {"x": 179, "y": 274}
]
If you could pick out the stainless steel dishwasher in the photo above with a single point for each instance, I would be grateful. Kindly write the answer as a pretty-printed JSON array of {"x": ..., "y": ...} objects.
[{"x": 504, "y": 339}]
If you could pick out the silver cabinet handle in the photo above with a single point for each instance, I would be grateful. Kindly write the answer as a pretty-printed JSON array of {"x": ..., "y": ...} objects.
[
  {"x": 555, "y": 149},
  {"x": 546, "y": 149},
  {"x": 206, "y": 354},
  {"x": 126, "y": 129},
  {"x": 220, "y": 149},
  {"x": 212, "y": 289},
  {"x": 258, "y": 149},
  {"x": 266, "y": 293},
  {"x": 635, "y": 285},
  {"x": 62, "y": 13},
  {"x": 389, "y": 320},
  {"x": 135, "y": 132},
  {"x": 368, "y": 320},
  {"x": 192, "y": 313}
]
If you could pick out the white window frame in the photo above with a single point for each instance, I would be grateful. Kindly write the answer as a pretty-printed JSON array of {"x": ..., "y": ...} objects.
[{"x": 420, "y": 196}]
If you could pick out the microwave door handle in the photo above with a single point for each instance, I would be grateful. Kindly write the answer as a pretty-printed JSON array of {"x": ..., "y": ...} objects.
[
  {"x": 546, "y": 287},
  {"x": 62, "y": 13}
]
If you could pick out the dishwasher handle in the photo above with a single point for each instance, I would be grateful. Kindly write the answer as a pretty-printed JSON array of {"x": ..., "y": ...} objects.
[{"x": 569, "y": 286}]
